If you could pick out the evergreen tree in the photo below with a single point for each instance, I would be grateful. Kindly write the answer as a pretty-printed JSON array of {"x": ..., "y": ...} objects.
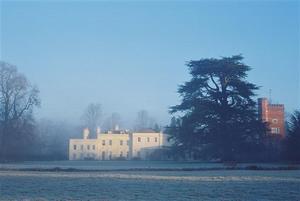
[
  {"x": 292, "y": 143},
  {"x": 219, "y": 114}
]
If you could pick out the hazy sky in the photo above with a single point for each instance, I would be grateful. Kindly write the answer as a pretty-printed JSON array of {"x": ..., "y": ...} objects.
[{"x": 131, "y": 55}]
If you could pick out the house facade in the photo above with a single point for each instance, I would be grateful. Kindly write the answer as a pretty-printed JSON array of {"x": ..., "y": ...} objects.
[{"x": 115, "y": 145}]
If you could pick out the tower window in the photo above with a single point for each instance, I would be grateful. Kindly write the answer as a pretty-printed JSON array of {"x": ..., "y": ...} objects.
[{"x": 275, "y": 130}]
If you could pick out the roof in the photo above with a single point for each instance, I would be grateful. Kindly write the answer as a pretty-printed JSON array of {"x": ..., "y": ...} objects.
[{"x": 146, "y": 131}]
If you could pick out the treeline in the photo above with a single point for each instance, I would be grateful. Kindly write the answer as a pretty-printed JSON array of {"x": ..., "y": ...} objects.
[
  {"x": 22, "y": 137},
  {"x": 217, "y": 118},
  {"x": 94, "y": 119}
]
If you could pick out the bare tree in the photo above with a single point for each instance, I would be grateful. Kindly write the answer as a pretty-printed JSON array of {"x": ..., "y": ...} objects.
[
  {"x": 144, "y": 120},
  {"x": 113, "y": 122},
  {"x": 17, "y": 100},
  {"x": 92, "y": 117}
]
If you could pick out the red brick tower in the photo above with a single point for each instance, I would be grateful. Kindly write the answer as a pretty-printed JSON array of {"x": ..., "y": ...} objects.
[{"x": 273, "y": 114}]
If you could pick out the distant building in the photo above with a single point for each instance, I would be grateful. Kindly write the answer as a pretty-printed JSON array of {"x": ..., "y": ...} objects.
[
  {"x": 273, "y": 114},
  {"x": 117, "y": 145}
]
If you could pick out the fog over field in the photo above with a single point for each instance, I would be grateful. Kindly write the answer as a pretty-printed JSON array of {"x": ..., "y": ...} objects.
[{"x": 150, "y": 100}]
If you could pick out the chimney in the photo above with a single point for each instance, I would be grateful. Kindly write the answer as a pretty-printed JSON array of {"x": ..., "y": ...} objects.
[
  {"x": 86, "y": 133},
  {"x": 117, "y": 127},
  {"x": 98, "y": 130}
]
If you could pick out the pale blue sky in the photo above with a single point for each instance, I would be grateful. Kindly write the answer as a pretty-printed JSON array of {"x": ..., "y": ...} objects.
[{"x": 131, "y": 55}]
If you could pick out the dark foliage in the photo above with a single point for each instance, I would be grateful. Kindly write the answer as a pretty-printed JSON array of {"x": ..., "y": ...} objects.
[
  {"x": 219, "y": 119},
  {"x": 292, "y": 142}
]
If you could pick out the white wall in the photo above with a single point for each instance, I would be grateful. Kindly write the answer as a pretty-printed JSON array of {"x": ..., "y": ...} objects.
[
  {"x": 145, "y": 143},
  {"x": 134, "y": 145},
  {"x": 119, "y": 146}
]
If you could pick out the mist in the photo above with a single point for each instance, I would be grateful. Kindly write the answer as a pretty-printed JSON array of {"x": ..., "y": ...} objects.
[{"x": 149, "y": 100}]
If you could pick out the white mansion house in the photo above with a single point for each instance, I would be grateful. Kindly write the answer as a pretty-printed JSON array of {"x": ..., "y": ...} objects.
[{"x": 117, "y": 145}]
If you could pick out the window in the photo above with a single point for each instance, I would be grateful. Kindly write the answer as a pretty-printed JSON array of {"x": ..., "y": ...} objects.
[
  {"x": 121, "y": 154},
  {"x": 275, "y": 130},
  {"x": 110, "y": 155},
  {"x": 121, "y": 142},
  {"x": 103, "y": 142},
  {"x": 74, "y": 156},
  {"x": 127, "y": 154},
  {"x": 74, "y": 146},
  {"x": 274, "y": 121},
  {"x": 88, "y": 147},
  {"x": 156, "y": 139},
  {"x": 139, "y": 139},
  {"x": 103, "y": 155},
  {"x": 110, "y": 142},
  {"x": 94, "y": 147},
  {"x": 148, "y": 139},
  {"x": 81, "y": 147}
]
